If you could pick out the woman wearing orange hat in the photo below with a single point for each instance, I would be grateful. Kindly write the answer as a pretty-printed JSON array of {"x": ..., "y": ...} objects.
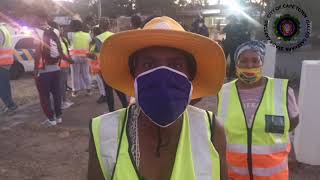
[{"x": 161, "y": 137}]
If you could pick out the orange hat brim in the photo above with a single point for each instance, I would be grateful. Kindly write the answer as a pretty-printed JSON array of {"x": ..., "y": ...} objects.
[{"x": 209, "y": 56}]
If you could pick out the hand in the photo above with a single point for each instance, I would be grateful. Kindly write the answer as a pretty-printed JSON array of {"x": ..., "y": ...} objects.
[
  {"x": 91, "y": 56},
  {"x": 70, "y": 61},
  {"x": 36, "y": 73}
]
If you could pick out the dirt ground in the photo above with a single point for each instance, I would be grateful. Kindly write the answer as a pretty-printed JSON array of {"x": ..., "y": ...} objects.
[{"x": 31, "y": 152}]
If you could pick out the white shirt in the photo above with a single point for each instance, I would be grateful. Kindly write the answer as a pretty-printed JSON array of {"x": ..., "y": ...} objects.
[{"x": 54, "y": 52}]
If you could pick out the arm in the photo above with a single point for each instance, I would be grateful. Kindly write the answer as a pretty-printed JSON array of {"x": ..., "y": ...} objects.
[
  {"x": 94, "y": 169},
  {"x": 95, "y": 49},
  {"x": 37, "y": 57},
  {"x": 293, "y": 110},
  {"x": 219, "y": 141},
  {"x": 98, "y": 46},
  {"x": 69, "y": 36},
  {"x": 294, "y": 123}
]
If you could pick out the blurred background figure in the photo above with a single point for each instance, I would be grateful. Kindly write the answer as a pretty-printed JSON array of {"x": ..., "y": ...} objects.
[
  {"x": 231, "y": 42},
  {"x": 6, "y": 60},
  {"x": 104, "y": 26},
  {"x": 95, "y": 64},
  {"x": 64, "y": 64},
  {"x": 79, "y": 45},
  {"x": 136, "y": 22},
  {"x": 47, "y": 72},
  {"x": 88, "y": 23},
  {"x": 244, "y": 31},
  {"x": 199, "y": 27}
]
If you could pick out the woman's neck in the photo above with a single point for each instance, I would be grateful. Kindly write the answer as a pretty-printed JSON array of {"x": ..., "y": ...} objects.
[
  {"x": 242, "y": 85},
  {"x": 145, "y": 119},
  {"x": 161, "y": 138}
]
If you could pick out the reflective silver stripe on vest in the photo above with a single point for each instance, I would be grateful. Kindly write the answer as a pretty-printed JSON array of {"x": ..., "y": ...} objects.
[
  {"x": 109, "y": 139},
  {"x": 200, "y": 145},
  {"x": 260, "y": 171},
  {"x": 258, "y": 149},
  {"x": 278, "y": 96},
  {"x": 4, "y": 56},
  {"x": 226, "y": 93}
]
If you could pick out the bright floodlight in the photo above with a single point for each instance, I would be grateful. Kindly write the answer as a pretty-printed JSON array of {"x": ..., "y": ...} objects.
[{"x": 235, "y": 7}]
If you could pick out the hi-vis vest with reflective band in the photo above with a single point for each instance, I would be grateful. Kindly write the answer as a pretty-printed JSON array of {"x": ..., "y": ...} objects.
[
  {"x": 253, "y": 153},
  {"x": 196, "y": 157},
  {"x": 6, "y": 50},
  {"x": 95, "y": 64},
  {"x": 80, "y": 42},
  {"x": 64, "y": 63},
  {"x": 102, "y": 37}
]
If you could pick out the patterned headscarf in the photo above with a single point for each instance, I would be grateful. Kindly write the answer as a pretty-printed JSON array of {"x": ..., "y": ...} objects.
[{"x": 257, "y": 46}]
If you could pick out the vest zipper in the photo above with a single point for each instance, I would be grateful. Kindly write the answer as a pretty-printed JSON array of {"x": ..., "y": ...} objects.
[{"x": 249, "y": 130}]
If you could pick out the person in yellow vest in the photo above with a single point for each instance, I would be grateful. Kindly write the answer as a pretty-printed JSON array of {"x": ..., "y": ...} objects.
[
  {"x": 65, "y": 69},
  {"x": 257, "y": 113},
  {"x": 136, "y": 21},
  {"x": 95, "y": 65},
  {"x": 105, "y": 27},
  {"x": 161, "y": 137},
  {"x": 80, "y": 70},
  {"x": 6, "y": 60},
  {"x": 64, "y": 64}
]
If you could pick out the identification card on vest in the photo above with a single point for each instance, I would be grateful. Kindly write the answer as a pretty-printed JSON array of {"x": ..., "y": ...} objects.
[{"x": 274, "y": 124}]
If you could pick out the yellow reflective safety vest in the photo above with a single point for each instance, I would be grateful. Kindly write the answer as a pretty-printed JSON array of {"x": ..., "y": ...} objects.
[
  {"x": 261, "y": 151},
  {"x": 196, "y": 157},
  {"x": 6, "y": 49},
  {"x": 80, "y": 43},
  {"x": 102, "y": 37},
  {"x": 64, "y": 46}
]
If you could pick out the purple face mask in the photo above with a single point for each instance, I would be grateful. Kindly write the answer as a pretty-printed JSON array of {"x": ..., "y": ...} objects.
[{"x": 163, "y": 94}]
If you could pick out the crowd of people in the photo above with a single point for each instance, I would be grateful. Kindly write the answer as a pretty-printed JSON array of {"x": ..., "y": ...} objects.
[{"x": 159, "y": 135}]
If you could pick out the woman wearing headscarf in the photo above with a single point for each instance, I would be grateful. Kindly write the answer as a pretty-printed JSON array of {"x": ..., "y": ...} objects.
[{"x": 258, "y": 113}]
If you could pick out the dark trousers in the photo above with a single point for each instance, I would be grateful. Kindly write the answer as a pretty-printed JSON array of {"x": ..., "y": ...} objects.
[
  {"x": 64, "y": 83},
  {"x": 5, "y": 88},
  {"x": 110, "y": 98},
  {"x": 49, "y": 83}
]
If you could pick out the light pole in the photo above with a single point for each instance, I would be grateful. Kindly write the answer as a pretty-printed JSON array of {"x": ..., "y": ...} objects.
[{"x": 99, "y": 9}]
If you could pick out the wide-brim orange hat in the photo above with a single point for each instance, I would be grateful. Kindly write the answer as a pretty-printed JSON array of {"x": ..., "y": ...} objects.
[{"x": 163, "y": 32}]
